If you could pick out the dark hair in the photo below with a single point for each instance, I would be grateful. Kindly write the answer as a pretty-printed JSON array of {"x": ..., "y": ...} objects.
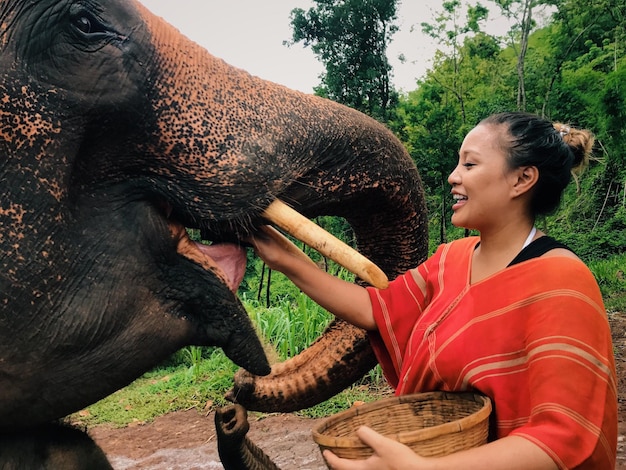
[{"x": 554, "y": 148}]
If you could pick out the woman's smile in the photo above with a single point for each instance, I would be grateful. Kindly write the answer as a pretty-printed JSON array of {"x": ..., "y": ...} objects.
[{"x": 459, "y": 200}]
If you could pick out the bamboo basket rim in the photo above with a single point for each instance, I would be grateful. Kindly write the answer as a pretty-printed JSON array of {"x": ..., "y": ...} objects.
[{"x": 407, "y": 437}]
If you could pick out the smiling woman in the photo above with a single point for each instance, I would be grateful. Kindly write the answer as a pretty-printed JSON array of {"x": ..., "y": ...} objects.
[
  {"x": 511, "y": 314},
  {"x": 481, "y": 181}
]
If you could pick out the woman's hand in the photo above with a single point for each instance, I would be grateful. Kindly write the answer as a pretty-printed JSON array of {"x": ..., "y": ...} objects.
[
  {"x": 272, "y": 247},
  {"x": 347, "y": 301},
  {"x": 388, "y": 455},
  {"x": 508, "y": 453}
]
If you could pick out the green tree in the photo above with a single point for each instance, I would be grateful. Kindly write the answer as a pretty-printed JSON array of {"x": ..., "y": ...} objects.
[
  {"x": 350, "y": 37},
  {"x": 522, "y": 11},
  {"x": 447, "y": 31},
  {"x": 432, "y": 120},
  {"x": 431, "y": 123},
  {"x": 462, "y": 87},
  {"x": 574, "y": 71}
]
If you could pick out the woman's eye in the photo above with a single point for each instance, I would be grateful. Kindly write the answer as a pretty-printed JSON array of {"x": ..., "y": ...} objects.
[{"x": 468, "y": 165}]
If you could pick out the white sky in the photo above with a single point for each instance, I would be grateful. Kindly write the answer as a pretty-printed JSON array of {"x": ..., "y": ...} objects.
[{"x": 249, "y": 34}]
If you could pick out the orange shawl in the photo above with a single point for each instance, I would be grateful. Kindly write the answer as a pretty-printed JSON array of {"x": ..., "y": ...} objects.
[{"x": 533, "y": 337}]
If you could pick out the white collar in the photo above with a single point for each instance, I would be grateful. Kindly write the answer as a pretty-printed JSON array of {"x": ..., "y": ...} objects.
[{"x": 531, "y": 235}]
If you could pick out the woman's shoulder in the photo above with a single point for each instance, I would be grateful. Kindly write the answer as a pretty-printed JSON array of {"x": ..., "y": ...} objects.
[
  {"x": 562, "y": 262},
  {"x": 563, "y": 252},
  {"x": 543, "y": 247},
  {"x": 546, "y": 247},
  {"x": 465, "y": 243}
]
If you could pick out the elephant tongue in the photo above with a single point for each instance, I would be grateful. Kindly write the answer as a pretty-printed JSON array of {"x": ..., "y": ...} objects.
[
  {"x": 229, "y": 258},
  {"x": 225, "y": 260}
]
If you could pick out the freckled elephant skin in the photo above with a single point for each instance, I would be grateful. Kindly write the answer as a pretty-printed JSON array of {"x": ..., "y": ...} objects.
[{"x": 115, "y": 132}]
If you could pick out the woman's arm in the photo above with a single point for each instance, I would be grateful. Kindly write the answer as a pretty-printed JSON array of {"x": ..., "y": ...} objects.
[
  {"x": 348, "y": 301},
  {"x": 508, "y": 453}
]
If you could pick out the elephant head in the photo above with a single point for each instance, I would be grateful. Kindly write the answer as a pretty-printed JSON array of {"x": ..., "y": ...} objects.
[{"x": 116, "y": 133}]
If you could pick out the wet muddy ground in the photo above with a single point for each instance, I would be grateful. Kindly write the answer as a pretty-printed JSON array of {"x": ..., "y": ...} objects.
[{"x": 186, "y": 440}]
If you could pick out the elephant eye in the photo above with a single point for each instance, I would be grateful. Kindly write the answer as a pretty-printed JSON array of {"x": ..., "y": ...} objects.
[{"x": 85, "y": 22}]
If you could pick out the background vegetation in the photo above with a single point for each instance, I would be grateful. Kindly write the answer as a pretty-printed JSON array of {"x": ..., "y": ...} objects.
[{"x": 562, "y": 59}]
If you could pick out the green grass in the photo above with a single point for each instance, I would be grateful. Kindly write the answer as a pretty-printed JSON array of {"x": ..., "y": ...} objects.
[
  {"x": 179, "y": 387},
  {"x": 611, "y": 276},
  {"x": 174, "y": 388},
  {"x": 291, "y": 325}
]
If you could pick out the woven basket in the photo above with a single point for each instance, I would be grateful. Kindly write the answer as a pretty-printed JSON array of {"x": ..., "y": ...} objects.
[{"x": 432, "y": 424}]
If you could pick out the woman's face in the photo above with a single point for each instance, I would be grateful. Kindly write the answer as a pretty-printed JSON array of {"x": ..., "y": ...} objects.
[{"x": 482, "y": 180}]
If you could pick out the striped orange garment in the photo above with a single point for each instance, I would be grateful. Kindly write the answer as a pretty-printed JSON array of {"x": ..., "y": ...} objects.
[{"x": 533, "y": 337}]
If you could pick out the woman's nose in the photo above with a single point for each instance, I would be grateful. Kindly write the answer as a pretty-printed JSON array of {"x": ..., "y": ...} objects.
[{"x": 453, "y": 178}]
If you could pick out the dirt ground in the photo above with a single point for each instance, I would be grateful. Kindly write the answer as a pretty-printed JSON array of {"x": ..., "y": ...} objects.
[{"x": 186, "y": 440}]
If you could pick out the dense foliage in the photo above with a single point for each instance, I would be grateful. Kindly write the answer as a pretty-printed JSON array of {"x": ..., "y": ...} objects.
[
  {"x": 562, "y": 59},
  {"x": 574, "y": 72}
]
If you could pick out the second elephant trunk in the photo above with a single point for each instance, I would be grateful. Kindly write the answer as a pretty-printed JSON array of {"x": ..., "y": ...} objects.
[{"x": 236, "y": 451}]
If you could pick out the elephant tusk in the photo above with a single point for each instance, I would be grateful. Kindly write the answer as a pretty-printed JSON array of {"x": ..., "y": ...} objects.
[{"x": 319, "y": 239}]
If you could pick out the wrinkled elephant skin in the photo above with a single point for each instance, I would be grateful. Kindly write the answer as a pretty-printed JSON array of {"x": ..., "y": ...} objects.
[{"x": 116, "y": 132}]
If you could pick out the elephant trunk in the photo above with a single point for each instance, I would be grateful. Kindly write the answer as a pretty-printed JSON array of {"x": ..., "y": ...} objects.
[
  {"x": 334, "y": 361},
  {"x": 343, "y": 355},
  {"x": 236, "y": 451}
]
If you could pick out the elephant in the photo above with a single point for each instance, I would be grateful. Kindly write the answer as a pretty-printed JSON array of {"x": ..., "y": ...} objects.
[{"x": 117, "y": 134}]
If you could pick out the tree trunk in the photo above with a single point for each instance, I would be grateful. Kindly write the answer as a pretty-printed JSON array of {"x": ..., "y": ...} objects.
[{"x": 526, "y": 27}]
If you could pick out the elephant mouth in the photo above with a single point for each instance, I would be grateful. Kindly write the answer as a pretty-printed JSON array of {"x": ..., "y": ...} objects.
[{"x": 228, "y": 260}]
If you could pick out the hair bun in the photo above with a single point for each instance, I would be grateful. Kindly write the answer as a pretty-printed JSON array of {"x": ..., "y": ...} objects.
[{"x": 580, "y": 142}]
